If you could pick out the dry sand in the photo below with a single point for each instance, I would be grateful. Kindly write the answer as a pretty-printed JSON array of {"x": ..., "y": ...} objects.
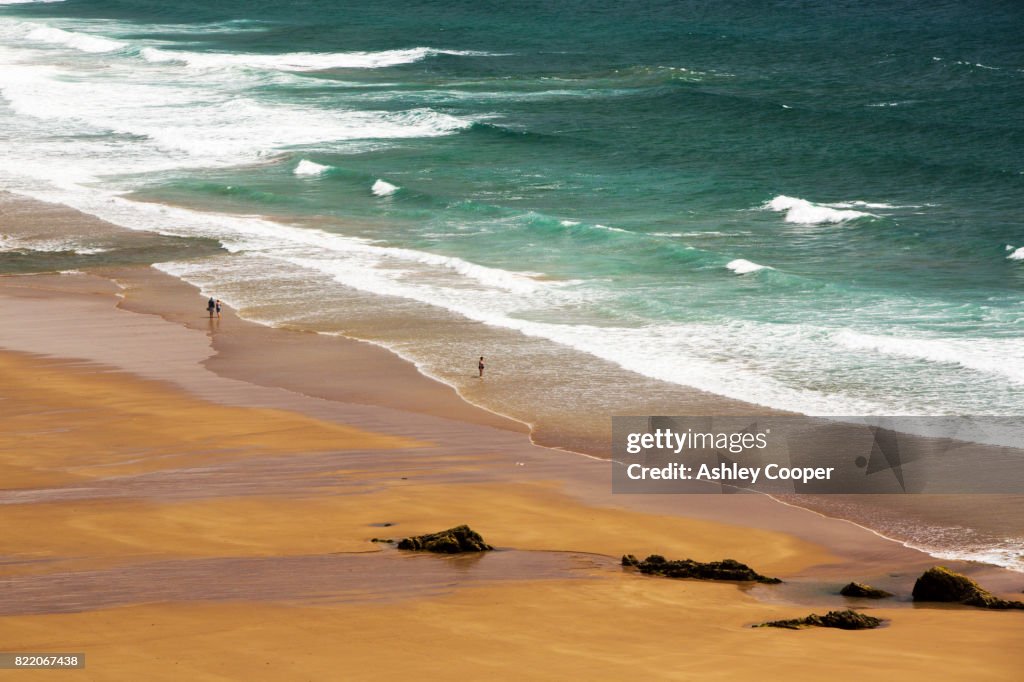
[{"x": 176, "y": 516}]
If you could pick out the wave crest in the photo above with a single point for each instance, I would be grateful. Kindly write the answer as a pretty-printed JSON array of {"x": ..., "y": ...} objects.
[
  {"x": 803, "y": 212},
  {"x": 383, "y": 188},
  {"x": 301, "y": 61},
  {"x": 742, "y": 266},
  {"x": 79, "y": 41},
  {"x": 310, "y": 168}
]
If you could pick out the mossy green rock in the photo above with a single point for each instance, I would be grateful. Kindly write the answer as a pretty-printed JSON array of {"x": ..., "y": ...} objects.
[
  {"x": 844, "y": 620},
  {"x": 941, "y": 584},
  {"x": 727, "y": 569},
  {"x": 452, "y": 541},
  {"x": 864, "y": 591}
]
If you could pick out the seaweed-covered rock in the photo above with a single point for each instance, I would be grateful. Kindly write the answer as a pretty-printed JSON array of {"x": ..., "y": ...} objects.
[
  {"x": 451, "y": 541},
  {"x": 727, "y": 569},
  {"x": 844, "y": 620},
  {"x": 941, "y": 584},
  {"x": 864, "y": 591}
]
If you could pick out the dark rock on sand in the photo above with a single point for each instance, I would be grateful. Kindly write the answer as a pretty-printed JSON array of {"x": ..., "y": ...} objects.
[
  {"x": 451, "y": 541},
  {"x": 727, "y": 569},
  {"x": 844, "y": 620},
  {"x": 941, "y": 584},
  {"x": 386, "y": 540},
  {"x": 864, "y": 591}
]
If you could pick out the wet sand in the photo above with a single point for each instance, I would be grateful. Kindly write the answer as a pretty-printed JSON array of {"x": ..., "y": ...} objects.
[{"x": 193, "y": 499}]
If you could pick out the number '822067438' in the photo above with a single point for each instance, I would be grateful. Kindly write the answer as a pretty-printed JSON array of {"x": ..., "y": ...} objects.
[{"x": 44, "y": 661}]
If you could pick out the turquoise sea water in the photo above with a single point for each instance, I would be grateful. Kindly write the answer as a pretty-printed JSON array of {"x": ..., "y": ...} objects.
[{"x": 812, "y": 206}]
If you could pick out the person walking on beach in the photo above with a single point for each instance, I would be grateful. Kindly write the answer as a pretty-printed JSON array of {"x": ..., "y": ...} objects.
[
  {"x": 211, "y": 305},
  {"x": 480, "y": 366},
  {"x": 218, "y": 308}
]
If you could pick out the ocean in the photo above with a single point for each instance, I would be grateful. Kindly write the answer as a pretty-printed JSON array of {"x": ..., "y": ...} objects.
[{"x": 812, "y": 207}]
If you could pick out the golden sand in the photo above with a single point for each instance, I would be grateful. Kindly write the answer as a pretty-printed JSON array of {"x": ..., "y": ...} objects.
[
  {"x": 620, "y": 627},
  {"x": 107, "y": 475}
]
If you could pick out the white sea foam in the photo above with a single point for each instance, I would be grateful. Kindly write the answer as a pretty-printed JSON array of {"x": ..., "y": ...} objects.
[
  {"x": 611, "y": 229},
  {"x": 86, "y": 124},
  {"x": 256, "y": 235},
  {"x": 383, "y": 188},
  {"x": 1003, "y": 358},
  {"x": 1010, "y": 555},
  {"x": 78, "y": 41},
  {"x": 300, "y": 61},
  {"x": 305, "y": 167},
  {"x": 134, "y": 29},
  {"x": 14, "y": 244},
  {"x": 127, "y": 118},
  {"x": 183, "y": 123},
  {"x": 1017, "y": 254},
  {"x": 868, "y": 204},
  {"x": 741, "y": 266},
  {"x": 980, "y": 66},
  {"x": 804, "y": 212}
]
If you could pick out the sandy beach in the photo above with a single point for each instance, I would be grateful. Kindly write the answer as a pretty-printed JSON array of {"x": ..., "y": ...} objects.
[{"x": 187, "y": 498}]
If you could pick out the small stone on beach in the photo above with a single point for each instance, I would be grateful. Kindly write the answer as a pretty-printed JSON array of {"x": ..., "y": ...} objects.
[
  {"x": 452, "y": 541},
  {"x": 727, "y": 569},
  {"x": 843, "y": 620}
]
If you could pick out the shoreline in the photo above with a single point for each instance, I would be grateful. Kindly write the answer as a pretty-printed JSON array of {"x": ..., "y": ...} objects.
[
  {"x": 410, "y": 386},
  {"x": 580, "y": 423},
  {"x": 138, "y": 291},
  {"x": 154, "y": 521}
]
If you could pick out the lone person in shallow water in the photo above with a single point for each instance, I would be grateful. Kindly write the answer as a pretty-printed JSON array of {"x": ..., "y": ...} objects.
[
  {"x": 211, "y": 305},
  {"x": 480, "y": 366}
]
